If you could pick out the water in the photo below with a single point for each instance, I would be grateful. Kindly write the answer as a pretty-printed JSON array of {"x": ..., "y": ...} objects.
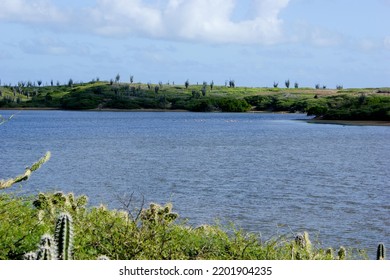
[{"x": 268, "y": 173}]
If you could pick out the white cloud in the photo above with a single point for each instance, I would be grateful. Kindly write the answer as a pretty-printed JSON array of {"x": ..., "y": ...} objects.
[
  {"x": 39, "y": 11},
  {"x": 210, "y": 20},
  {"x": 122, "y": 17},
  {"x": 194, "y": 20}
]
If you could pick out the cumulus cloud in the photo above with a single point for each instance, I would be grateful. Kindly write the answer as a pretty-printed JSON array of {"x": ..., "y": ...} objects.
[
  {"x": 38, "y": 11},
  {"x": 123, "y": 17},
  {"x": 194, "y": 20},
  {"x": 211, "y": 20}
]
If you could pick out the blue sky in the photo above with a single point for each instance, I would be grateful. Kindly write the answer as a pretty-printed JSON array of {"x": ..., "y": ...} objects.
[{"x": 254, "y": 42}]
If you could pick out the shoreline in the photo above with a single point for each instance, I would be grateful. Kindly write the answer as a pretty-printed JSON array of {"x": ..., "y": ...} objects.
[
  {"x": 350, "y": 122},
  {"x": 314, "y": 120}
]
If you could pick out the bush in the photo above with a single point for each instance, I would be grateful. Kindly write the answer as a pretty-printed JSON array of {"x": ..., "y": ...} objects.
[
  {"x": 151, "y": 233},
  {"x": 20, "y": 228}
]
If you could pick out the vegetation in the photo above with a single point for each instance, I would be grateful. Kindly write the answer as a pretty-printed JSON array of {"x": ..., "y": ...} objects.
[
  {"x": 331, "y": 104},
  {"x": 153, "y": 232}
]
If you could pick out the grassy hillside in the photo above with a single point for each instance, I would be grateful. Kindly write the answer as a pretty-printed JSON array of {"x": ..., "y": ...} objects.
[{"x": 346, "y": 104}]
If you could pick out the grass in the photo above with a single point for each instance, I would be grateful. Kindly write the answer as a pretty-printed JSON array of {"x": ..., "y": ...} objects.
[{"x": 148, "y": 233}]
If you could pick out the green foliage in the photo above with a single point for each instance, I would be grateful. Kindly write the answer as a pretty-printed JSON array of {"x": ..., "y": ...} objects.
[
  {"x": 348, "y": 104},
  {"x": 152, "y": 233},
  {"x": 361, "y": 107},
  {"x": 20, "y": 227}
]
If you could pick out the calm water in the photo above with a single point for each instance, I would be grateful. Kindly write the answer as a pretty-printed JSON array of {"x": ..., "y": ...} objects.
[{"x": 267, "y": 173}]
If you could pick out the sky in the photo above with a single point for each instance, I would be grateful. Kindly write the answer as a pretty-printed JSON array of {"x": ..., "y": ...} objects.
[{"x": 253, "y": 42}]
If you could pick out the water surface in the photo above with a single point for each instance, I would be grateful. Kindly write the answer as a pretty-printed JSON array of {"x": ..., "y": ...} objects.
[{"x": 268, "y": 173}]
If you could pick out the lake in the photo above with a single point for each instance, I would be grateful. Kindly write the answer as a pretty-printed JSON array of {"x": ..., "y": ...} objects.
[{"x": 272, "y": 174}]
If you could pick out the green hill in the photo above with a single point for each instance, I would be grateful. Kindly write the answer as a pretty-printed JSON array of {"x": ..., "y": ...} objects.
[{"x": 348, "y": 104}]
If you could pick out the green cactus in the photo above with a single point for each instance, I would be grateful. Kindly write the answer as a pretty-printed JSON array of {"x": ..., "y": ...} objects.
[
  {"x": 342, "y": 253},
  {"x": 47, "y": 248},
  {"x": 157, "y": 214},
  {"x": 46, "y": 253},
  {"x": 64, "y": 236},
  {"x": 47, "y": 241},
  {"x": 302, "y": 240},
  {"x": 381, "y": 252},
  {"x": 329, "y": 253},
  {"x": 30, "y": 256}
]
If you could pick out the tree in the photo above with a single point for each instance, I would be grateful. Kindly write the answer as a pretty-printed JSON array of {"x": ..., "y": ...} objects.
[
  {"x": 287, "y": 83},
  {"x": 276, "y": 84},
  {"x": 39, "y": 83},
  {"x": 131, "y": 79},
  {"x": 117, "y": 78},
  {"x": 212, "y": 85},
  {"x": 187, "y": 83},
  {"x": 70, "y": 83}
]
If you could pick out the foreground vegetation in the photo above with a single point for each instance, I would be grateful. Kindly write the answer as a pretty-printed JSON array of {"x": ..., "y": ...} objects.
[
  {"x": 151, "y": 233},
  {"x": 337, "y": 104}
]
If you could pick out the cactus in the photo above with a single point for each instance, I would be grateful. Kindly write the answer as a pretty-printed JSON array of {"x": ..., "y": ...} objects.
[
  {"x": 342, "y": 253},
  {"x": 47, "y": 248},
  {"x": 329, "y": 253},
  {"x": 103, "y": 258},
  {"x": 381, "y": 252},
  {"x": 30, "y": 256},
  {"x": 46, "y": 253},
  {"x": 64, "y": 236},
  {"x": 26, "y": 175},
  {"x": 303, "y": 241},
  {"x": 58, "y": 248},
  {"x": 157, "y": 214}
]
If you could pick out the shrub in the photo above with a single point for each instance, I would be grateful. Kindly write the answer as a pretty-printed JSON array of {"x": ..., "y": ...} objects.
[
  {"x": 20, "y": 227},
  {"x": 151, "y": 233}
]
